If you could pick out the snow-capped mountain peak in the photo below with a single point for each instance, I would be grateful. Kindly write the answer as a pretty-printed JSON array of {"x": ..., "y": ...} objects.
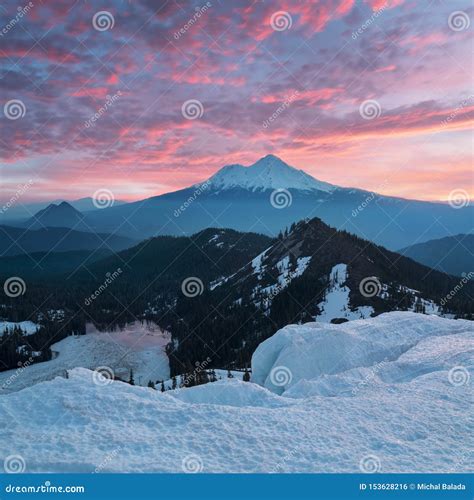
[{"x": 268, "y": 173}]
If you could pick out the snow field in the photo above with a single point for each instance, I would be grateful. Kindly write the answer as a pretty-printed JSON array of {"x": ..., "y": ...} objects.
[{"x": 388, "y": 394}]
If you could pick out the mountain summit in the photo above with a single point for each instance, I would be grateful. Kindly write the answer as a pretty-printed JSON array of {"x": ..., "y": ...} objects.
[
  {"x": 311, "y": 273},
  {"x": 61, "y": 215},
  {"x": 268, "y": 173},
  {"x": 245, "y": 199}
]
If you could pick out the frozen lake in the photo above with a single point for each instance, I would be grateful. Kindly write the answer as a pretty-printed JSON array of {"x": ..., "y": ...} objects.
[{"x": 139, "y": 347}]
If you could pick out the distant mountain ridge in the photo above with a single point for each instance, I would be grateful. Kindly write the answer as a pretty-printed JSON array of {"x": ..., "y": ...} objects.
[
  {"x": 452, "y": 254},
  {"x": 311, "y": 251},
  {"x": 20, "y": 241},
  {"x": 270, "y": 195},
  {"x": 61, "y": 215},
  {"x": 24, "y": 211},
  {"x": 313, "y": 273}
]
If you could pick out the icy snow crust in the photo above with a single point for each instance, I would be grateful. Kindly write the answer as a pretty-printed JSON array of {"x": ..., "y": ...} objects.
[{"x": 377, "y": 387}]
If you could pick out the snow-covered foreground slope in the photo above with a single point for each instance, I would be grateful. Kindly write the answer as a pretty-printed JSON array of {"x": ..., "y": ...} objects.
[
  {"x": 138, "y": 347},
  {"x": 389, "y": 394}
]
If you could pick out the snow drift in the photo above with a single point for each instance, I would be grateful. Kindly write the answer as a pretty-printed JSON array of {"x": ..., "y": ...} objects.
[
  {"x": 301, "y": 353},
  {"x": 388, "y": 394}
]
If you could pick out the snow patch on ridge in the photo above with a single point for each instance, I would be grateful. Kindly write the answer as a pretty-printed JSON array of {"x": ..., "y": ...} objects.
[
  {"x": 336, "y": 301},
  {"x": 284, "y": 279},
  {"x": 256, "y": 263}
]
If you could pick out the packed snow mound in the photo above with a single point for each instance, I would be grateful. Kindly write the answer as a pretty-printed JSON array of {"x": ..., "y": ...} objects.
[
  {"x": 430, "y": 355},
  {"x": 432, "y": 361},
  {"x": 230, "y": 392},
  {"x": 314, "y": 352}
]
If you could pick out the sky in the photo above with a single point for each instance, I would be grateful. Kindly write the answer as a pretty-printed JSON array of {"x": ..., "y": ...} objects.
[{"x": 146, "y": 97}]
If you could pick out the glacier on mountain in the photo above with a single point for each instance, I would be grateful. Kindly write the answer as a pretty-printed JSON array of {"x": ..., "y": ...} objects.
[{"x": 270, "y": 172}]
